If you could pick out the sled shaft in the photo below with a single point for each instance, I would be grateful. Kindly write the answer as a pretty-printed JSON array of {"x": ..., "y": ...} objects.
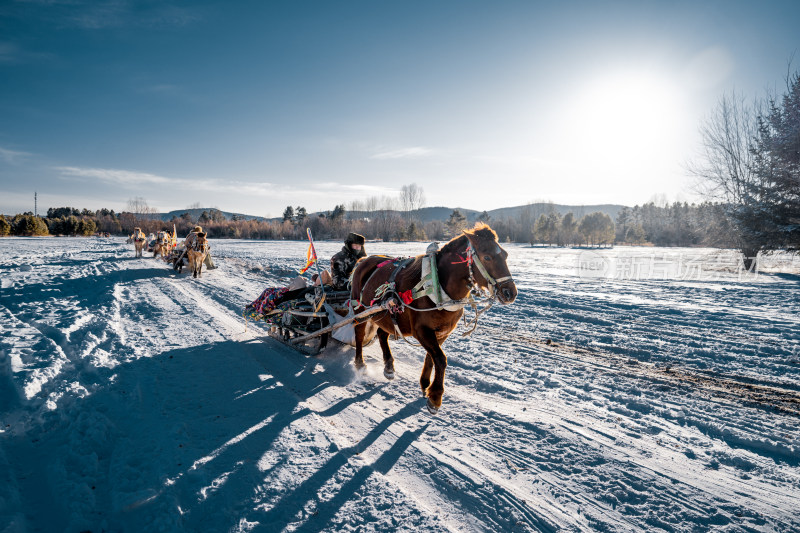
[{"x": 363, "y": 314}]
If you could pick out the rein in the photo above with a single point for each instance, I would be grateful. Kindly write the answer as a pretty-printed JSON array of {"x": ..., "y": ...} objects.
[{"x": 472, "y": 257}]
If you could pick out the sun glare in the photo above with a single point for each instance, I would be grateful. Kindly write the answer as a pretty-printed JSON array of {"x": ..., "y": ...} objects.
[{"x": 630, "y": 115}]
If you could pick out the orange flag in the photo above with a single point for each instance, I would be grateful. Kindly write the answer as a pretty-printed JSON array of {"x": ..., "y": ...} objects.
[{"x": 311, "y": 258}]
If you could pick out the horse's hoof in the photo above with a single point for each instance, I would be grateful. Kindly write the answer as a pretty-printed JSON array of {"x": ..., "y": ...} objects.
[
  {"x": 432, "y": 409},
  {"x": 389, "y": 374}
]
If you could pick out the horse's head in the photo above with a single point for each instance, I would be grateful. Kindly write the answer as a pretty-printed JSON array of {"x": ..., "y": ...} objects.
[
  {"x": 488, "y": 263},
  {"x": 201, "y": 243}
]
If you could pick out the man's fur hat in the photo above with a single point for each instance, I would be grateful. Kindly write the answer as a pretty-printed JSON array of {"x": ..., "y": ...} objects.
[
  {"x": 354, "y": 238},
  {"x": 197, "y": 229}
]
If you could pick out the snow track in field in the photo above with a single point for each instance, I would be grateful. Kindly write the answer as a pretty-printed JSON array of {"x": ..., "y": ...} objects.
[{"x": 134, "y": 399}]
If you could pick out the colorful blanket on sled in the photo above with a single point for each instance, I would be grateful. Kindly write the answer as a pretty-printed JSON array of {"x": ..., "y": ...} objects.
[{"x": 266, "y": 302}]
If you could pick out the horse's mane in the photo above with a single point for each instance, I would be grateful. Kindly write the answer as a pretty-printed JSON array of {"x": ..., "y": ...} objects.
[{"x": 481, "y": 231}]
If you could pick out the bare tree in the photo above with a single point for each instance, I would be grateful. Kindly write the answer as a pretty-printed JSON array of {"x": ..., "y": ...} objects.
[
  {"x": 138, "y": 206},
  {"x": 372, "y": 204},
  {"x": 386, "y": 223},
  {"x": 412, "y": 198},
  {"x": 726, "y": 169},
  {"x": 355, "y": 209}
]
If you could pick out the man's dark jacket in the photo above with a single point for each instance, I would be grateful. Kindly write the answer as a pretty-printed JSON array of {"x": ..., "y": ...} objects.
[{"x": 343, "y": 262}]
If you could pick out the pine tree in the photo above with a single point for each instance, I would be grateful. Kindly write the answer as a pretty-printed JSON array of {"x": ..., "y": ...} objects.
[
  {"x": 338, "y": 212},
  {"x": 456, "y": 222},
  {"x": 772, "y": 215},
  {"x": 27, "y": 224},
  {"x": 300, "y": 216}
]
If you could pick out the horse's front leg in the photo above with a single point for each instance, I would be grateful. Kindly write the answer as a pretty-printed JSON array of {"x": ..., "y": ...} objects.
[
  {"x": 425, "y": 377},
  {"x": 360, "y": 331},
  {"x": 427, "y": 337},
  {"x": 388, "y": 360}
]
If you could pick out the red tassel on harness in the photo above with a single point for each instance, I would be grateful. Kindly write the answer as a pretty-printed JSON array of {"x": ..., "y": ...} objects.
[{"x": 406, "y": 296}]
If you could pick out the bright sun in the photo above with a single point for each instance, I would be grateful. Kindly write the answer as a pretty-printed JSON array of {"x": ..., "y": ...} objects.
[{"x": 630, "y": 115}]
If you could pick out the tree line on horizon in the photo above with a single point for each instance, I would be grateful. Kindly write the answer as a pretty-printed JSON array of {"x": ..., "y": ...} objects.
[{"x": 678, "y": 224}]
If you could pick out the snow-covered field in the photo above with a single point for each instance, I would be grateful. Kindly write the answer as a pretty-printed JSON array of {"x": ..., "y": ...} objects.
[{"x": 633, "y": 389}]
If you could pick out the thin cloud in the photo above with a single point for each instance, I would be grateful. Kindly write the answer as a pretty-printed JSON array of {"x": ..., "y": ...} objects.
[
  {"x": 403, "y": 153},
  {"x": 135, "y": 180},
  {"x": 11, "y": 53},
  {"x": 120, "y": 14},
  {"x": 123, "y": 177},
  {"x": 12, "y": 156},
  {"x": 93, "y": 15},
  {"x": 356, "y": 188}
]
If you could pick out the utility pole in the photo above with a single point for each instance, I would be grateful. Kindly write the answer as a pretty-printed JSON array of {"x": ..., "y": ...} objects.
[{"x": 35, "y": 204}]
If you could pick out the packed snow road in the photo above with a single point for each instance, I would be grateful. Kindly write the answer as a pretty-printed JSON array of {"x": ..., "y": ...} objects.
[{"x": 625, "y": 390}]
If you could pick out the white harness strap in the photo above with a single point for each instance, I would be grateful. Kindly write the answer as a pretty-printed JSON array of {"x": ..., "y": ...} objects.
[{"x": 429, "y": 286}]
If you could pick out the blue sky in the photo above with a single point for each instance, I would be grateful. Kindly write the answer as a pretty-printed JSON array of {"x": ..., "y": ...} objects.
[{"x": 252, "y": 106}]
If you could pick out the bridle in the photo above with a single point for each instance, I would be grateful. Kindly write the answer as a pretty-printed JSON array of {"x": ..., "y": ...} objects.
[{"x": 472, "y": 257}]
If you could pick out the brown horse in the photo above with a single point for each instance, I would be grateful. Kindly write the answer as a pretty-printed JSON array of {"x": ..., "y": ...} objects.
[
  {"x": 162, "y": 245},
  {"x": 138, "y": 241},
  {"x": 472, "y": 260},
  {"x": 197, "y": 254}
]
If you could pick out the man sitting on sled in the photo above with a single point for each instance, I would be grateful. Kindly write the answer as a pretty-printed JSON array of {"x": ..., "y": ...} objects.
[{"x": 338, "y": 279}]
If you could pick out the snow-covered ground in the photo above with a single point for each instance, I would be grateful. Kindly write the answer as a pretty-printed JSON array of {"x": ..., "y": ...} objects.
[{"x": 634, "y": 389}]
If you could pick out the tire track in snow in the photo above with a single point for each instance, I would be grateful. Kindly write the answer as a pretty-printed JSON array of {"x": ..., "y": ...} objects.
[{"x": 779, "y": 396}]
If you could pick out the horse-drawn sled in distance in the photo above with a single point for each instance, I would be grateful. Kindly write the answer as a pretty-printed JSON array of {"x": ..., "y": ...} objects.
[
  {"x": 194, "y": 251},
  {"x": 392, "y": 297}
]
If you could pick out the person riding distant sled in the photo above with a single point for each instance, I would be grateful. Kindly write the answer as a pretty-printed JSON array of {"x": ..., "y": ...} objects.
[
  {"x": 190, "y": 241},
  {"x": 138, "y": 239}
]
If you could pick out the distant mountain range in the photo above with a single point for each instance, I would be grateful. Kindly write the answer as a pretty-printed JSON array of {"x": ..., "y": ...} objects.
[
  {"x": 429, "y": 214},
  {"x": 197, "y": 211}
]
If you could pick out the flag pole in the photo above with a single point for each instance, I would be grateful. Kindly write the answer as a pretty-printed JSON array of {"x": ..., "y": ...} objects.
[{"x": 316, "y": 262}]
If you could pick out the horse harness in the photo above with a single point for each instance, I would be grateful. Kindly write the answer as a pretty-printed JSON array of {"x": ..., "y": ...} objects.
[
  {"x": 429, "y": 286},
  {"x": 472, "y": 257},
  {"x": 197, "y": 247}
]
